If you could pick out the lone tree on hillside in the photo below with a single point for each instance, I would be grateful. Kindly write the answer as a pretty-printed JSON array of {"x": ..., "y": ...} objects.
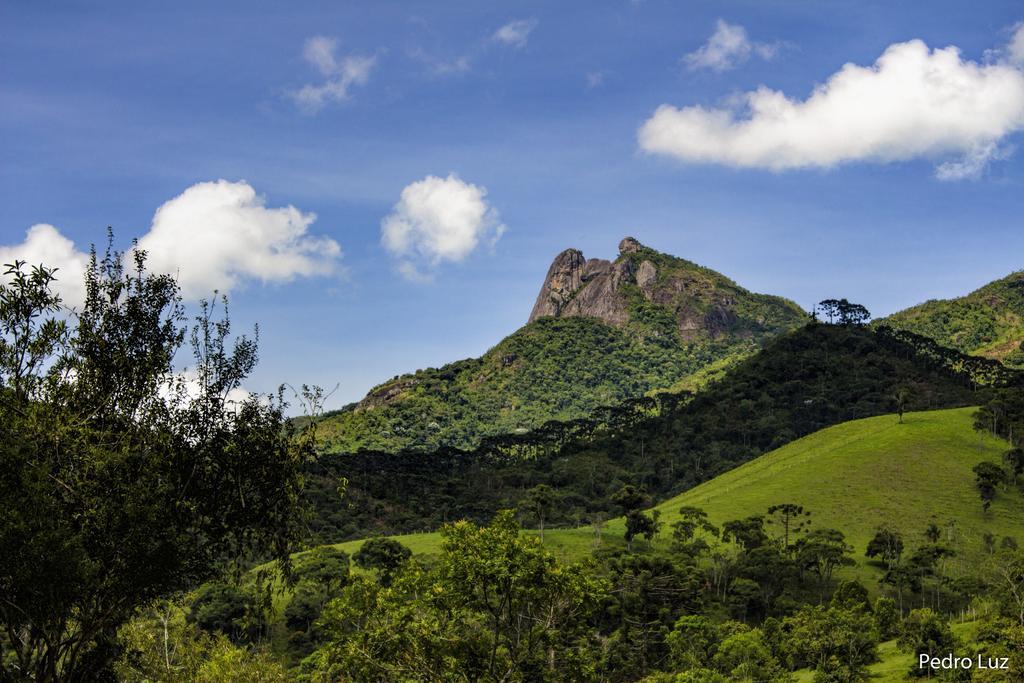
[
  {"x": 121, "y": 484},
  {"x": 632, "y": 499},
  {"x": 386, "y": 555},
  {"x": 988, "y": 475},
  {"x": 792, "y": 520},
  {"x": 887, "y": 545},
  {"x": 900, "y": 398}
]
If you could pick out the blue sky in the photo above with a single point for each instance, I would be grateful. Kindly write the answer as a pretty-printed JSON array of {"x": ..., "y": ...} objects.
[{"x": 108, "y": 111}]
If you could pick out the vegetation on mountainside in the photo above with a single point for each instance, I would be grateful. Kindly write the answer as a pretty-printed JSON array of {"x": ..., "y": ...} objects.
[
  {"x": 744, "y": 578},
  {"x": 564, "y": 368},
  {"x": 812, "y": 378},
  {"x": 775, "y": 551},
  {"x": 857, "y": 476},
  {"x": 987, "y": 322},
  {"x": 118, "y": 486},
  {"x": 554, "y": 368}
]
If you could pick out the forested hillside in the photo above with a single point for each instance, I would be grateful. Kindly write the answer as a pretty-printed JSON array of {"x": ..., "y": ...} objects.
[
  {"x": 987, "y": 322},
  {"x": 817, "y": 376},
  {"x": 601, "y": 332}
]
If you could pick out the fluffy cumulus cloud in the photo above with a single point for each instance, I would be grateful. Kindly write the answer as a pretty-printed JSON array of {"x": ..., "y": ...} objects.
[
  {"x": 44, "y": 245},
  {"x": 340, "y": 74},
  {"x": 515, "y": 33},
  {"x": 436, "y": 220},
  {"x": 912, "y": 102},
  {"x": 213, "y": 236},
  {"x": 728, "y": 47}
]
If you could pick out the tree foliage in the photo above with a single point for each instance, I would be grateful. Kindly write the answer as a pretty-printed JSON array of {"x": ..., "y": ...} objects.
[{"x": 118, "y": 485}]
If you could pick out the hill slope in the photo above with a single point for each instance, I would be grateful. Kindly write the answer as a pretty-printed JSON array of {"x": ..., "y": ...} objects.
[
  {"x": 862, "y": 474},
  {"x": 814, "y": 377},
  {"x": 855, "y": 477},
  {"x": 600, "y": 332},
  {"x": 987, "y": 322}
]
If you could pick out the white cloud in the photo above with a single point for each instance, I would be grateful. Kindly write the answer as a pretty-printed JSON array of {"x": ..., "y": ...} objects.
[
  {"x": 442, "y": 67},
  {"x": 595, "y": 79},
  {"x": 515, "y": 33},
  {"x": 213, "y": 236},
  {"x": 728, "y": 47},
  {"x": 1013, "y": 51},
  {"x": 341, "y": 74},
  {"x": 912, "y": 102},
  {"x": 216, "y": 234},
  {"x": 1015, "y": 48},
  {"x": 438, "y": 219},
  {"x": 44, "y": 245}
]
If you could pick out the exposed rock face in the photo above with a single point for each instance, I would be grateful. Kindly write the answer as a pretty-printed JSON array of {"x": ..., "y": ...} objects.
[
  {"x": 646, "y": 274},
  {"x": 575, "y": 286},
  {"x": 702, "y": 302},
  {"x": 629, "y": 245},
  {"x": 563, "y": 279}
]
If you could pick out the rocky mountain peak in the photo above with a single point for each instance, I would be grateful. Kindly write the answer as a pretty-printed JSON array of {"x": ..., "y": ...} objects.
[
  {"x": 649, "y": 289},
  {"x": 575, "y": 286},
  {"x": 630, "y": 245}
]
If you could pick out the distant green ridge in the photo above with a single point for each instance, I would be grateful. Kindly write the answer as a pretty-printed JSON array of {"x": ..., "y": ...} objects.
[{"x": 987, "y": 322}]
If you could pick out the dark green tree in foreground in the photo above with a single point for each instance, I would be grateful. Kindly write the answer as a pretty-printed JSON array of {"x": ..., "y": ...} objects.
[{"x": 117, "y": 485}]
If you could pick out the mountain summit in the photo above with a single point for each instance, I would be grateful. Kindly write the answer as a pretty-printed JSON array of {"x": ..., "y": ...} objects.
[
  {"x": 600, "y": 332},
  {"x": 701, "y": 302}
]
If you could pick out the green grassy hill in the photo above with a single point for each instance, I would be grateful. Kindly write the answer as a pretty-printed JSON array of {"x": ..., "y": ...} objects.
[
  {"x": 987, "y": 322},
  {"x": 854, "y": 477}
]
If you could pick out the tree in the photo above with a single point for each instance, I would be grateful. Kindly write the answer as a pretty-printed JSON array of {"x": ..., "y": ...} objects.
[
  {"x": 925, "y": 632},
  {"x": 838, "y": 643},
  {"x": 1015, "y": 460},
  {"x": 494, "y": 606},
  {"x": 822, "y": 551},
  {"x": 386, "y": 555},
  {"x": 747, "y": 533},
  {"x": 161, "y": 646},
  {"x": 886, "y": 545},
  {"x": 1006, "y": 575},
  {"x": 640, "y": 524},
  {"x": 325, "y": 566},
  {"x": 631, "y": 498},
  {"x": 693, "y": 641},
  {"x": 852, "y": 314},
  {"x": 900, "y": 398},
  {"x": 120, "y": 486},
  {"x": 851, "y": 595},
  {"x": 887, "y": 617},
  {"x": 792, "y": 519},
  {"x": 684, "y": 531},
  {"x": 988, "y": 475},
  {"x": 538, "y": 502},
  {"x": 830, "y": 309}
]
